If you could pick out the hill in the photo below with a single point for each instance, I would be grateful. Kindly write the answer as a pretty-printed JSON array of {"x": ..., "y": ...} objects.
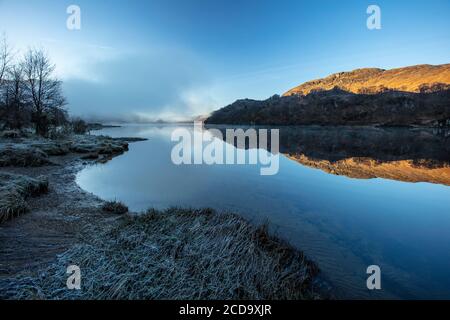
[
  {"x": 419, "y": 78},
  {"x": 418, "y": 95}
]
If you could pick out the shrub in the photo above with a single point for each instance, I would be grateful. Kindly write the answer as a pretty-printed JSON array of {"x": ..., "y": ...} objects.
[
  {"x": 115, "y": 207},
  {"x": 79, "y": 126}
]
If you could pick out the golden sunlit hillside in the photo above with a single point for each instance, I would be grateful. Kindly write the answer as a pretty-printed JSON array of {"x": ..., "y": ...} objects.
[{"x": 417, "y": 78}]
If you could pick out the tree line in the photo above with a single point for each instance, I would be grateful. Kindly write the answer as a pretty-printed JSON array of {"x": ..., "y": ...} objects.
[{"x": 30, "y": 93}]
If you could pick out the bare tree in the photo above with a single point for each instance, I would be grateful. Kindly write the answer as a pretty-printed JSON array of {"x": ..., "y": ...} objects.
[
  {"x": 16, "y": 105},
  {"x": 5, "y": 58},
  {"x": 44, "y": 89}
]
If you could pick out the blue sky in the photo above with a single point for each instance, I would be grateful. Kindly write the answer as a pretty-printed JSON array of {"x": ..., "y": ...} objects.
[{"x": 174, "y": 59}]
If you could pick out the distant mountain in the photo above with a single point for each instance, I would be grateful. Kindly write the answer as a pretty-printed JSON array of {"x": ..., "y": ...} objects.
[
  {"x": 420, "y": 78},
  {"x": 417, "y": 95}
]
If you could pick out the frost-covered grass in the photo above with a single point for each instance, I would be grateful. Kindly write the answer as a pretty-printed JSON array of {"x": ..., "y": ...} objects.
[
  {"x": 20, "y": 155},
  {"x": 116, "y": 207},
  {"x": 174, "y": 254},
  {"x": 33, "y": 151},
  {"x": 97, "y": 144},
  {"x": 11, "y": 134},
  {"x": 14, "y": 190}
]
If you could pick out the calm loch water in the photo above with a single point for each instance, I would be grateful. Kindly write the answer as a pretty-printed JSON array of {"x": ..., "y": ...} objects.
[{"x": 348, "y": 198}]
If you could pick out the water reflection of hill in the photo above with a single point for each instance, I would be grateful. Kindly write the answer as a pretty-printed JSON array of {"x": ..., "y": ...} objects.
[{"x": 410, "y": 155}]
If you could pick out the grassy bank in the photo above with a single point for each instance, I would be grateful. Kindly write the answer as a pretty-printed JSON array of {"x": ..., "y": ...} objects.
[
  {"x": 174, "y": 254},
  {"x": 33, "y": 151},
  {"x": 24, "y": 150},
  {"x": 15, "y": 189}
]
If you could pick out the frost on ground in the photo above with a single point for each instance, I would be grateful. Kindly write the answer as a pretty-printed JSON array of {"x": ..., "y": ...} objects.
[
  {"x": 14, "y": 191},
  {"x": 175, "y": 254},
  {"x": 22, "y": 155},
  {"x": 26, "y": 150},
  {"x": 32, "y": 151}
]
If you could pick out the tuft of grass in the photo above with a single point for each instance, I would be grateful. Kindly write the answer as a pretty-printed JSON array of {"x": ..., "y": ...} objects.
[
  {"x": 52, "y": 148},
  {"x": 175, "y": 254},
  {"x": 90, "y": 156},
  {"x": 14, "y": 190},
  {"x": 22, "y": 156},
  {"x": 115, "y": 207},
  {"x": 98, "y": 144},
  {"x": 12, "y": 204},
  {"x": 11, "y": 134}
]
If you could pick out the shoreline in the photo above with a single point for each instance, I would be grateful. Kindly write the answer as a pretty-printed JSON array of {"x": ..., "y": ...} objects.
[
  {"x": 54, "y": 220},
  {"x": 63, "y": 220}
]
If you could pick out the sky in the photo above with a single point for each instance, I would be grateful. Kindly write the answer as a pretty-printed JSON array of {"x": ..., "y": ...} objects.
[{"x": 174, "y": 59}]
